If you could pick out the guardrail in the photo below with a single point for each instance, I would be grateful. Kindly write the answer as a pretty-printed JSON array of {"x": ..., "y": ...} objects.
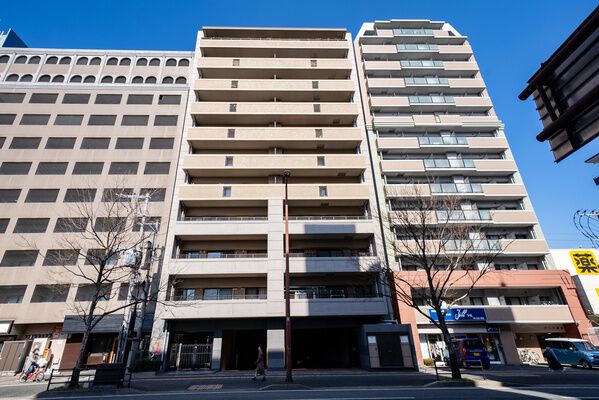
[
  {"x": 87, "y": 377},
  {"x": 329, "y": 218},
  {"x": 195, "y": 256},
  {"x": 208, "y": 219}
]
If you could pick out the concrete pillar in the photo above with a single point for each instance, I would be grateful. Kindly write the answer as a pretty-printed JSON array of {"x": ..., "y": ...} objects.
[
  {"x": 275, "y": 345},
  {"x": 508, "y": 342},
  {"x": 217, "y": 346},
  {"x": 276, "y": 260}
]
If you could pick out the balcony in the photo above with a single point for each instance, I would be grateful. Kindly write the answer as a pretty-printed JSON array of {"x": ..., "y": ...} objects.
[
  {"x": 264, "y": 114},
  {"x": 437, "y": 121},
  {"x": 194, "y": 255},
  {"x": 513, "y": 217},
  {"x": 431, "y": 103},
  {"x": 202, "y": 165},
  {"x": 467, "y": 190},
  {"x": 274, "y": 48}
]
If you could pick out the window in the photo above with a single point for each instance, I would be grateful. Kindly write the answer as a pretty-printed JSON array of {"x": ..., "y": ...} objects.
[
  {"x": 154, "y": 62},
  {"x": 7, "y": 119},
  {"x": 35, "y": 119},
  {"x": 9, "y": 195},
  {"x": 4, "y": 224},
  {"x": 31, "y": 225},
  {"x": 322, "y": 190},
  {"x": 233, "y": 107},
  {"x": 171, "y": 62},
  {"x": 4, "y": 59},
  {"x": 112, "y": 61},
  {"x": 129, "y": 143},
  {"x": 102, "y": 120},
  {"x": 320, "y": 161},
  {"x": 184, "y": 62},
  {"x": 165, "y": 120},
  {"x": 137, "y": 79},
  {"x": 99, "y": 256},
  {"x": 34, "y": 60},
  {"x": 13, "y": 98},
  {"x": 79, "y": 195},
  {"x": 89, "y": 79},
  {"x": 95, "y": 143},
  {"x": 15, "y": 168},
  {"x": 228, "y": 161},
  {"x": 58, "y": 79},
  {"x": 108, "y": 99},
  {"x": 2, "y": 140},
  {"x": 43, "y": 98},
  {"x": 156, "y": 194},
  {"x": 314, "y": 84},
  {"x": 106, "y": 79},
  {"x": 25, "y": 142},
  {"x": 65, "y": 60},
  {"x": 150, "y": 80},
  {"x": 19, "y": 258},
  {"x": 41, "y": 196},
  {"x": 169, "y": 99},
  {"x": 135, "y": 120},
  {"x": 318, "y": 133},
  {"x": 181, "y": 80},
  {"x": 76, "y": 98},
  {"x": 140, "y": 99},
  {"x": 120, "y": 79},
  {"x": 12, "y": 78},
  {"x": 110, "y": 224},
  {"x": 82, "y": 61},
  {"x": 20, "y": 60},
  {"x": 66, "y": 119},
  {"x": 152, "y": 224},
  {"x": 88, "y": 168},
  {"x": 125, "y": 61},
  {"x": 56, "y": 257},
  {"x": 12, "y": 294},
  {"x": 141, "y": 62},
  {"x": 168, "y": 80},
  {"x": 51, "y": 168},
  {"x": 314, "y": 63},
  {"x": 231, "y": 133},
  {"x": 111, "y": 195},
  {"x": 44, "y": 78},
  {"x": 316, "y": 107},
  {"x": 234, "y": 84},
  {"x": 52, "y": 60},
  {"x": 236, "y": 62},
  {"x": 87, "y": 292},
  {"x": 162, "y": 143},
  {"x": 70, "y": 225},
  {"x": 26, "y": 78},
  {"x": 157, "y": 168},
  {"x": 123, "y": 168},
  {"x": 50, "y": 294},
  {"x": 76, "y": 79},
  {"x": 95, "y": 61},
  {"x": 227, "y": 191},
  {"x": 123, "y": 292}
]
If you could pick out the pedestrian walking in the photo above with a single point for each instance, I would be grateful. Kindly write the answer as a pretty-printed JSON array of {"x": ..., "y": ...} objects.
[{"x": 260, "y": 365}]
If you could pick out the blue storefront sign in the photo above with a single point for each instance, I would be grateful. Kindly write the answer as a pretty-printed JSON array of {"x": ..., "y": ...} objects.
[{"x": 461, "y": 315}]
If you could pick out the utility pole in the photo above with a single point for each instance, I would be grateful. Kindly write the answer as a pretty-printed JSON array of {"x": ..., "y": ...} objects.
[{"x": 288, "y": 360}]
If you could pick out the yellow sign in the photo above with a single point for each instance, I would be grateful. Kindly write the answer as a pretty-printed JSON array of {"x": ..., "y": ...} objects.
[
  {"x": 584, "y": 261},
  {"x": 597, "y": 290}
]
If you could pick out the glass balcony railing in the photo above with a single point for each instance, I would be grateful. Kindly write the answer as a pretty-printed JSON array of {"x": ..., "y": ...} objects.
[
  {"x": 208, "y": 219},
  {"x": 321, "y": 292},
  {"x": 419, "y": 81},
  {"x": 431, "y": 99},
  {"x": 454, "y": 163},
  {"x": 417, "y": 47},
  {"x": 328, "y": 217},
  {"x": 330, "y": 253},
  {"x": 456, "y": 188},
  {"x": 442, "y": 140},
  {"x": 217, "y": 255},
  {"x": 464, "y": 215},
  {"x": 221, "y": 295},
  {"x": 412, "y": 32},
  {"x": 472, "y": 245}
]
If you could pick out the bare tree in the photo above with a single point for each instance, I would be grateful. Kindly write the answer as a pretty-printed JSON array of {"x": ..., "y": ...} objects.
[{"x": 443, "y": 253}]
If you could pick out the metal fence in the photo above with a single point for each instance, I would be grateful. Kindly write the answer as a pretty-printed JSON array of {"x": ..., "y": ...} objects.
[{"x": 190, "y": 356}]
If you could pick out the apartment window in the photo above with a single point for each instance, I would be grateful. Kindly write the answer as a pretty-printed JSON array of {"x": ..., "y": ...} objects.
[
  {"x": 87, "y": 292},
  {"x": 157, "y": 168},
  {"x": 233, "y": 107},
  {"x": 314, "y": 63},
  {"x": 320, "y": 161},
  {"x": 76, "y": 98},
  {"x": 110, "y": 195},
  {"x": 51, "y": 168},
  {"x": 12, "y": 294},
  {"x": 165, "y": 120},
  {"x": 108, "y": 99},
  {"x": 9, "y": 195},
  {"x": 7, "y": 119},
  {"x": 151, "y": 224},
  {"x": 60, "y": 143},
  {"x": 89, "y": 143},
  {"x": 236, "y": 62},
  {"x": 314, "y": 84},
  {"x": 15, "y": 168},
  {"x": 4, "y": 224},
  {"x": 318, "y": 133},
  {"x": 156, "y": 194},
  {"x": 31, "y": 225},
  {"x": 50, "y": 294},
  {"x": 234, "y": 84},
  {"x": 19, "y": 258},
  {"x": 227, "y": 191},
  {"x": 102, "y": 120},
  {"x": 162, "y": 143},
  {"x": 13, "y": 98},
  {"x": 35, "y": 119},
  {"x": 135, "y": 120},
  {"x": 70, "y": 225},
  {"x": 228, "y": 161},
  {"x": 231, "y": 133},
  {"x": 25, "y": 143},
  {"x": 110, "y": 224},
  {"x": 57, "y": 257},
  {"x": 88, "y": 168},
  {"x": 123, "y": 292},
  {"x": 123, "y": 168},
  {"x": 129, "y": 143},
  {"x": 164, "y": 99},
  {"x": 140, "y": 99},
  {"x": 43, "y": 98},
  {"x": 322, "y": 190},
  {"x": 79, "y": 195},
  {"x": 68, "y": 119},
  {"x": 100, "y": 257},
  {"x": 41, "y": 196}
]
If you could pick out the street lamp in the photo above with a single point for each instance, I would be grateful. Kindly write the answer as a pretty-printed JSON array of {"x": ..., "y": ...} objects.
[{"x": 288, "y": 375}]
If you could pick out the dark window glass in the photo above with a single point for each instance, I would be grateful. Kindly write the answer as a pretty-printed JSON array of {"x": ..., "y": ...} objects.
[
  {"x": 61, "y": 257},
  {"x": 12, "y": 97},
  {"x": 4, "y": 224},
  {"x": 25, "y": 143},
  {"x": 31, "y": 225},
  {"x": 66, "y": 119},
  {"x": 135, "y": 120},
  {"x": 140, "y": 99},
  {"x": 88, "y": 168},
  {"x": 123, "y": 168},
  {"x": 110, "y": 195},
  {"x": 102, "y": 120},
  {"x": 88, "y": 292},
  {"x": 162, "y": 143},
  {"x": 129, "y": 143},
  {"x": 156, "y": 194},
  {"x": 51, "y": 168},
  {"x": 50, "y": 294},
  {"x": 169, "y": 99},
  {"x": 108, "y": 99},
  {"x": 76, "y": 98},
  {"x": 95, "y": 143},
  {"x": 60, "y": 143},
  {"x": 43, "y": 98},
  {"x": 165, "y": 120},
  {"x": 9, "y": 195},
  {"x": 41, "y": 196},
  {"x": 80, "y": 195},
  {"x": 15, "y": 168},
  {"x": 35, "y": 119},
  {"x": 157, "y": 168},
  {"x": 19, "y": 258},
  {"x": 110, "y": 224},
  {"x": 7, "y": 119},
  {"x": 70, "y": 225}
]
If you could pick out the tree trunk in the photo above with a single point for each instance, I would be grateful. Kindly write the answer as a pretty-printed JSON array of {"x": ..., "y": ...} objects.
[
  {"x": 453, "y": 359},
  {"x": 79, "y": 364}
]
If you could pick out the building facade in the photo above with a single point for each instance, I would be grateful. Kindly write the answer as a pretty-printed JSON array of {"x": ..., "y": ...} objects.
[
  {"x": 433, "y": 132},
  {"x": 76, "y": 125}
]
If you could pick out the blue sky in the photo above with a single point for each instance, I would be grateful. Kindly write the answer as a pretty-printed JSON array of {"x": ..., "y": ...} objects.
[{"x": 510, "y": 39}]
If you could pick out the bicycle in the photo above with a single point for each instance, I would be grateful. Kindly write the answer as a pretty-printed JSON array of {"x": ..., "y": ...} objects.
[
  {"x": 528, "y": 357},
  {"x": 35, "y": 376}
]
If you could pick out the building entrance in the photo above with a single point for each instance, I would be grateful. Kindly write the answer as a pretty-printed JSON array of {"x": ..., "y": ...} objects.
[
  {"x": 240, "y": 349},
  {"x": 325, "y": 348}
]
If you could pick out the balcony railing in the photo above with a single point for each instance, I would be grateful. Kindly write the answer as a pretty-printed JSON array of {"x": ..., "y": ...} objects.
[
  {"x": 442, "y": 140},
  {"x": 193, "y": 256},
  {"x": 456, "y": 188},
  {"x": 208, "y": 219},
  {"x": 328, "y": 217},
  {"x": 331, "y": 253},
  {"x": 472, "y": 245},
  {"x": 218, "y": 297},
  {"x": 318, "y": 292},
  {"x": 453, "y": 163},
  {"x": 419, "y": 81},
  {"x": 464, "y": 215}
]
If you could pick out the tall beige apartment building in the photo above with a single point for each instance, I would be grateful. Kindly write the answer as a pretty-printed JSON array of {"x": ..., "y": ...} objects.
[{"x": 75, "y": 125}]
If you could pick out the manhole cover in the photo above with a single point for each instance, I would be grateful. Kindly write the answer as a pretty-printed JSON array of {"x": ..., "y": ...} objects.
[{"x": 205, "y": 387}]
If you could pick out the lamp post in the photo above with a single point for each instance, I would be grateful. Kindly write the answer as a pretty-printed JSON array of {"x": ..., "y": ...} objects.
[{"x": 288, "y": 375}]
